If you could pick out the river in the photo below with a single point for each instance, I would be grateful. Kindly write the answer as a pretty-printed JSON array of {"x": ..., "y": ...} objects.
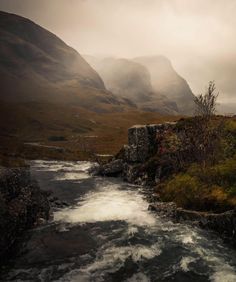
[{"x": 107, "y": 233}]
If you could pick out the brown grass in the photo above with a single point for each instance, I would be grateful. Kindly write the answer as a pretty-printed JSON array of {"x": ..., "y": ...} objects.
[{"x": 85, "y": 132}]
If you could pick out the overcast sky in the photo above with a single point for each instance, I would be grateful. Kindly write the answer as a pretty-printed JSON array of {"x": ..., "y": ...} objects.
[{"x": 198, "y": 36}]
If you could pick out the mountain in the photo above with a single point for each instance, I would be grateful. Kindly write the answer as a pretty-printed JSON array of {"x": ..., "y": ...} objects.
[
  {"x": 36, "y": 65},
  {"x": 128, "y": 79},
  {"x": 125, "y": 78},
  {"x": 166, "y": 81}
]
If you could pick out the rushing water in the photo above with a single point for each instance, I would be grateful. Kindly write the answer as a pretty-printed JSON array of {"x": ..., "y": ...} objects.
[{"x": 107, "y": 233}]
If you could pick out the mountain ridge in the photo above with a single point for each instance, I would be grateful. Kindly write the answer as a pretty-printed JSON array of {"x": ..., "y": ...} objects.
[
  {"x": 36, "y": 65},
  {"x": 137, "y": 76},
  {"x": 168, "y": 82}
]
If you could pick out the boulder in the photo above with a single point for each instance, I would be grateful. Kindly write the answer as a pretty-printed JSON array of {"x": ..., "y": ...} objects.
[
  {"x": 142, "y": 141},
  {"x": 113, "y": 168},
  {"x": 22, "y": 203}
]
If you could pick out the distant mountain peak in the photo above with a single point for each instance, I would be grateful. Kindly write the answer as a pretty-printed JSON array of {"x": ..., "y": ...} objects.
[
  {"x": 36, "y": 65},
  {"x": 168, "y": 82},
  {"x": 149, "y": 81}
]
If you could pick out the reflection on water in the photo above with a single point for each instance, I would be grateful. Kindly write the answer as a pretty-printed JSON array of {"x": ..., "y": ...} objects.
[{"x": 108, "y": 234}]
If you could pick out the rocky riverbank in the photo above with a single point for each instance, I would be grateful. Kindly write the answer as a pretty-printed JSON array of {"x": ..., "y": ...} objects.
[
  {"x": 138, "y": 163},
  {"x": 223, "y": 223},
  {"x": 23, "y": 205}
]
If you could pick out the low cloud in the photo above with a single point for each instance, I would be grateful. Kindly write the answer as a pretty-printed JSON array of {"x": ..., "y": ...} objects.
[{"x": 199, "y": 37}]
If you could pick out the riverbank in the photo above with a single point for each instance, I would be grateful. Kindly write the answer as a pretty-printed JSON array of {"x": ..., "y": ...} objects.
[
  {"x": 222, "y": 223},
  {"x": 159, "y": 156},
  {"x": 107, "y": 233}
]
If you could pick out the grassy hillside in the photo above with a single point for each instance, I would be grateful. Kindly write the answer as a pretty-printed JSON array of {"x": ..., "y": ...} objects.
[{"x": 44, "y": 130}]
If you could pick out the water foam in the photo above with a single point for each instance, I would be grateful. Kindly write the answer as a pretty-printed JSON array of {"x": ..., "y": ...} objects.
[{"x": 108, "y": 204}]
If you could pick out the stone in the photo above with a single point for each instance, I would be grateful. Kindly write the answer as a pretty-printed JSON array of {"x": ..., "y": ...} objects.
[
  {"x": 113, "y": 168},
  {"x": 23, "y": 205},
  {"x": 222, "y": 223},
  {"x": 142, "y": 141}
]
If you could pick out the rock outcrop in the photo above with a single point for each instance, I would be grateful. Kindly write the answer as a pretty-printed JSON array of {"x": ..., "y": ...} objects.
[
  {"x": 23, "y": 205},
  {"x": 142, "y": 144},
  {"x": 222, "y": 223},
  {"x": 135, "y": 163},
  {"x": 142, "y": 141}
]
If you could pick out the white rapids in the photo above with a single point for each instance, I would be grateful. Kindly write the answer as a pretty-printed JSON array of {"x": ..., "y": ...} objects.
[{"x": 132, "y": 243}]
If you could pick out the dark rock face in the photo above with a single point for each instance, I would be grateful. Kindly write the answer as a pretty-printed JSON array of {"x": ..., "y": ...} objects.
[
  {"x": 22, "y": 203},
  {"x": 113, "y": 168},
  {"x": 222, "y": 223},
  {"x": 142, "y": 144},
  {"x": 143, "y": 141}
]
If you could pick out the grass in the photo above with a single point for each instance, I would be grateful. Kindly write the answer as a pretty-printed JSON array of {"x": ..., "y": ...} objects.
[
  {"x": 209, "y": 188},
  {"x": 78, "y": 132}
]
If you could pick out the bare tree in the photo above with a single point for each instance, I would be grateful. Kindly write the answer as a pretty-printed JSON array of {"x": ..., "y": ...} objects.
[
  {"x": 203, "y": 133},
  {"x": 206, "y": 103}
]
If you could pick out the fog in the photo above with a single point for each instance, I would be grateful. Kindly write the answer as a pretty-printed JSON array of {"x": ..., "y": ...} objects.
[{"x": 198, "y": 36}]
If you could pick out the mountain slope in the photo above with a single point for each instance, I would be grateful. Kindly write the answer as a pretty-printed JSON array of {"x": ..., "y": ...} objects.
[
  {"x": 125, "y": 78},
  {"x": 168, "y": 82},
  {"x": 35, "y": 65},
  {"x": 128, "y": 79}
]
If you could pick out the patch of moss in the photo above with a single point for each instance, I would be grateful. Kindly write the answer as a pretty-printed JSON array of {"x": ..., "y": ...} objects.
[{"x": 211, "y": 188}]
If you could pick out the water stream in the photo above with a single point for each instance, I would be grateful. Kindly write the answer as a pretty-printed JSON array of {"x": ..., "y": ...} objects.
[{"x": 107, "y": 233}]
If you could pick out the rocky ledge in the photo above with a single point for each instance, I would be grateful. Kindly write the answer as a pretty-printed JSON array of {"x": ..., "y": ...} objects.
[
  {"x": 142, "y": 144},
  {"x": 132, "y": 163},
  {"x": 222, "y": 223},
  {"x": 23, "y": 205}
]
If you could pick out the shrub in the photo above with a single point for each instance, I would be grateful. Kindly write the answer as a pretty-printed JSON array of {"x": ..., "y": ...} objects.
[
  {"x": 183, "y": 189},
  {"x": 209, "y": 188}
]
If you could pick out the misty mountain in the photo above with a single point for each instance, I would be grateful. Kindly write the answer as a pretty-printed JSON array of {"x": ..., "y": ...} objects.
[
  {"x": 36, "y": 65},
  {"x": 128, "y": 79},
  {"x": 125, "y": 78},
  {"x": 166, "y": 81}
]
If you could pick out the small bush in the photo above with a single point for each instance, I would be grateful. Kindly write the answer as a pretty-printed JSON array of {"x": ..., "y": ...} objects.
[
  {"x": 210, "y": 188},
  {"x": 183, "y": 189},
  {"x": 230, "y": 126}
]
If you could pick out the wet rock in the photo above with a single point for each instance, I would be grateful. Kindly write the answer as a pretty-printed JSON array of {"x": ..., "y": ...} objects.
[
  {"x": 58, "y": 204},
  {"x": 131, "y": 173},
  {"x": 95, "y": 169},
  {"x": 52, "y": 244},
  {"x": 22, "y": 203},
  {"x": 142, "y": 144},
  {"x": 167, "y": 209},
  {"x": 113, "y": 168},
  {"x": 126, "y": 271},
  {"x": 142, "y": 141},
  {"x": 222, "y": 223}
]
